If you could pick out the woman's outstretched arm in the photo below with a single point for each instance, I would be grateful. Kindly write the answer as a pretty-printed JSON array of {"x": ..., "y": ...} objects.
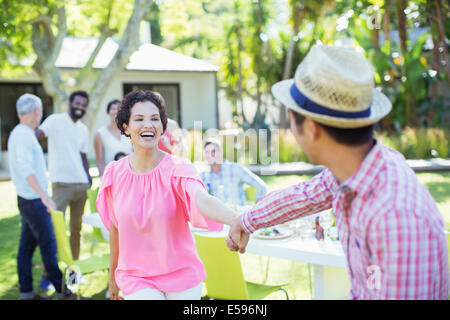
[{"x": 213, "y": 208}]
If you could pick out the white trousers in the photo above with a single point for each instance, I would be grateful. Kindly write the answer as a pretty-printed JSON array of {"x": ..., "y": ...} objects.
[{"x": 194, "y": 293}]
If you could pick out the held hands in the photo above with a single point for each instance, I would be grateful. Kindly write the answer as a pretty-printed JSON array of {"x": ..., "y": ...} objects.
[{"x": 237, "y": 237}]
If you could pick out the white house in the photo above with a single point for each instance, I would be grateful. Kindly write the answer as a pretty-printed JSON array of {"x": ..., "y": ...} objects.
[{"x": 188, "y": 85}]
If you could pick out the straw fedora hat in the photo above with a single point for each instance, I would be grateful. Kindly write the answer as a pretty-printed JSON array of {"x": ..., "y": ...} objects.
[{"x": 334, "y": 86}]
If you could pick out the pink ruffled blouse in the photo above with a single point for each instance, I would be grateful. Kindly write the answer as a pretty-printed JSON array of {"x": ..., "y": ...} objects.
[{"x": 151, "y": 212}]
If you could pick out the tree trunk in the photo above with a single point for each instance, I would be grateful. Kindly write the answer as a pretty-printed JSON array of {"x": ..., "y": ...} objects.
[
  {"x": 441, "y": 36},
  {"x": 240, "y": 97},
  {"x": 47, "y": 49},
  {"x": 387, "y": 124},
  {"x": 440, "y": 61},
  {"x": 376, "y": 32},
  {"x": 410, "y": 108},
  {"x": 129, "y": 42},
  {"x": 297, "y": 16},
  {"x": 402, "y": 23}
]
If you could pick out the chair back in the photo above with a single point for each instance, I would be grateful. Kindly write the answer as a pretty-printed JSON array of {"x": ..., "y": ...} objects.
[
  {"x": 92, "y": 198},
  {"x": 251, "y": 194},
  {"x": 62, "y": 241},
  {"x": 224, "y": 276},
  {"x": 448, "y": 249}
]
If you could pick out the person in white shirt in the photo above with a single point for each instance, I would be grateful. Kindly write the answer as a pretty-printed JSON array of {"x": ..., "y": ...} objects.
[
  {"x": 29, "y": 175},
  {"x": 108, "y": 140},
  {"x": 68, "y": 140}
]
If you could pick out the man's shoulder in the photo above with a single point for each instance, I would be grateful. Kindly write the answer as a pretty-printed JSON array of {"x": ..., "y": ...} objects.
[
  {"x": 397, "y": 186},
  {"x": 55, "y": 116},
  {"x": 232, "y": 165},
  {"x": 20, "y": 131},
  {"x": 52, "y": 120},
  {"x": 82, "y": 125},
  {"x": 14, "y": 135}
]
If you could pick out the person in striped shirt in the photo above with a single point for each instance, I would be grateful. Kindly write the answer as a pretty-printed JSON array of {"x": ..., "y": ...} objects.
[{"x": 388, "y": 223}]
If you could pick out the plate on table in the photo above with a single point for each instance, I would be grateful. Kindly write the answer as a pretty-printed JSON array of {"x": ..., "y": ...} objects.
[{"x": 273, "y": 233}]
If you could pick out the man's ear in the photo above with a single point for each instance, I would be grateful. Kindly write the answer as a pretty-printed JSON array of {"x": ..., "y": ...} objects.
[
  {"x": 293, "y": 124},
  {"x": 313, "y": 129}
]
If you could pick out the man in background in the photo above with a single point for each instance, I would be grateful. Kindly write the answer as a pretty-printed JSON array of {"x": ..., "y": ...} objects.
[
  {"x": 225, "y": 180},
  {"x": 28, "y": 173},
  {"x": 68, "y": 140}
]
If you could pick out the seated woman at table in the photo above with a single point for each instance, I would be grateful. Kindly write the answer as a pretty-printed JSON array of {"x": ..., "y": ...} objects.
[{"x": 146, "y": 200}]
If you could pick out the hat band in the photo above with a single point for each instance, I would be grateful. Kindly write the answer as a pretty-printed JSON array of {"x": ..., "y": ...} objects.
[{"x": 309, "y": 105}]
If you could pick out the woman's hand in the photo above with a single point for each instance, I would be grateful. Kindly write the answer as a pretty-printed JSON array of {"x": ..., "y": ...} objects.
[
  {"x": 114, "y": 290},
  {"x": 113, "y": 258}
]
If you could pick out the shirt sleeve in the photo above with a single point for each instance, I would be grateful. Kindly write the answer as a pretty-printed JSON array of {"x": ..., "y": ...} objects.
[
  {"x": 105, "y": 201},
  {"x": 278, "y": 207},
  {"x": 47, "y": 125},
  {"x": 186, "y": 185},
  {"x": 24, "y": 157},
  {"x": 252, "y": 179}
]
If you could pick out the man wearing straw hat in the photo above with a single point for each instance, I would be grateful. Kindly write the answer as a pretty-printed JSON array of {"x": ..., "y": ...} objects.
[{"x": 385, "y": 218}]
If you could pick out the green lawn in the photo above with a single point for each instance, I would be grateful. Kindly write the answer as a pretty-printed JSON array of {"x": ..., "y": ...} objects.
[{"x": 254, "y": 266}]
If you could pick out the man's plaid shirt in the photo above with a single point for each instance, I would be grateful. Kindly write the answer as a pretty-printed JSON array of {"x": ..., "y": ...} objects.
[
  {"x": 388, "y": 224},
  {"x": 228, "y": 184}
]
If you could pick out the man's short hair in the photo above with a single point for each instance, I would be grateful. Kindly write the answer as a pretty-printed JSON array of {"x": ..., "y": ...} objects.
[
  {"x": 80, "y": 93},
  {"x": 212, "y": 141},
  {"x": 27, "y": 103},
  {"x": 348, "y": 137}
]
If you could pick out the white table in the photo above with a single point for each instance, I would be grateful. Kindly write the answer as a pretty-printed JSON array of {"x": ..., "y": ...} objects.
[{"x": 331, "y": 279}]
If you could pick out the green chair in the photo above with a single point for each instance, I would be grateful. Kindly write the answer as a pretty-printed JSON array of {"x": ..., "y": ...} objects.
[
  {"x": 65, "y": 258},
  {"x": 448, "y": 248},
  {"x": 224, "y": 276},
  {"x": 96, "y": 232},
  {"x": 251, "y": 198},
  {"x": 251, "y": 194}
]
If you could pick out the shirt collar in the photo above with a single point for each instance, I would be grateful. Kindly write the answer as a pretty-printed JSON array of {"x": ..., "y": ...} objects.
[
  {"x": 70, "y": 119},
  {"x": 361, "y": 181},
  {"x": 26, "y": 127},
  {"x": 224, "y": 163}
]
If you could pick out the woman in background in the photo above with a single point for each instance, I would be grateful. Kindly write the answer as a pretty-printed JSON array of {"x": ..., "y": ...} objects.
[
  {"x": 172, "y": 141},
  {"x": 108, "y": 140}
]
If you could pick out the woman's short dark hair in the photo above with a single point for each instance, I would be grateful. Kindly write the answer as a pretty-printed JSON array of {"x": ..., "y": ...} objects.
[
  {"x": 349, "y": 137},
  {"x": 108, "y": 107},
  {"x": 128, "y": 102}
]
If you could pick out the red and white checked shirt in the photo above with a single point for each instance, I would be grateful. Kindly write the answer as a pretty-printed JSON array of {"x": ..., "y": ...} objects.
[{"x": 390, "y": 229}]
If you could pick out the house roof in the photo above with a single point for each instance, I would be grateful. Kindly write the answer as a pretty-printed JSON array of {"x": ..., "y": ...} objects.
[{"x": 75, "y": 53}]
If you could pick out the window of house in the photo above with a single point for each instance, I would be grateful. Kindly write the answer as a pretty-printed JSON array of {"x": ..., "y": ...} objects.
[
  {"x": 170, "y": 92},
  {"x": 9, "y": 93}
]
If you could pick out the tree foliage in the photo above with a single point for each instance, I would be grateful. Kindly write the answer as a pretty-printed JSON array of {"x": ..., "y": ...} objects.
[
  {"x": 33, "y": 31},
  {"x": 255, "y": 43}
]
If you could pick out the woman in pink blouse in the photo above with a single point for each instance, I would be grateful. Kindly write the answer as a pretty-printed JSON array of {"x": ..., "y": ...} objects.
[{"x": 146, "y": 200}]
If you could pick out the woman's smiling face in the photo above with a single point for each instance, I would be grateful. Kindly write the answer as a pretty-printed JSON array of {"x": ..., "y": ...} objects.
[{"x": 145, "y": 126}]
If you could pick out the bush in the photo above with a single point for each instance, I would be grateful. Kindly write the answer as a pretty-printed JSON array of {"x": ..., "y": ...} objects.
[
  {"x": 413, "y": 143},
  {"x": 419, "y": 143}
]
